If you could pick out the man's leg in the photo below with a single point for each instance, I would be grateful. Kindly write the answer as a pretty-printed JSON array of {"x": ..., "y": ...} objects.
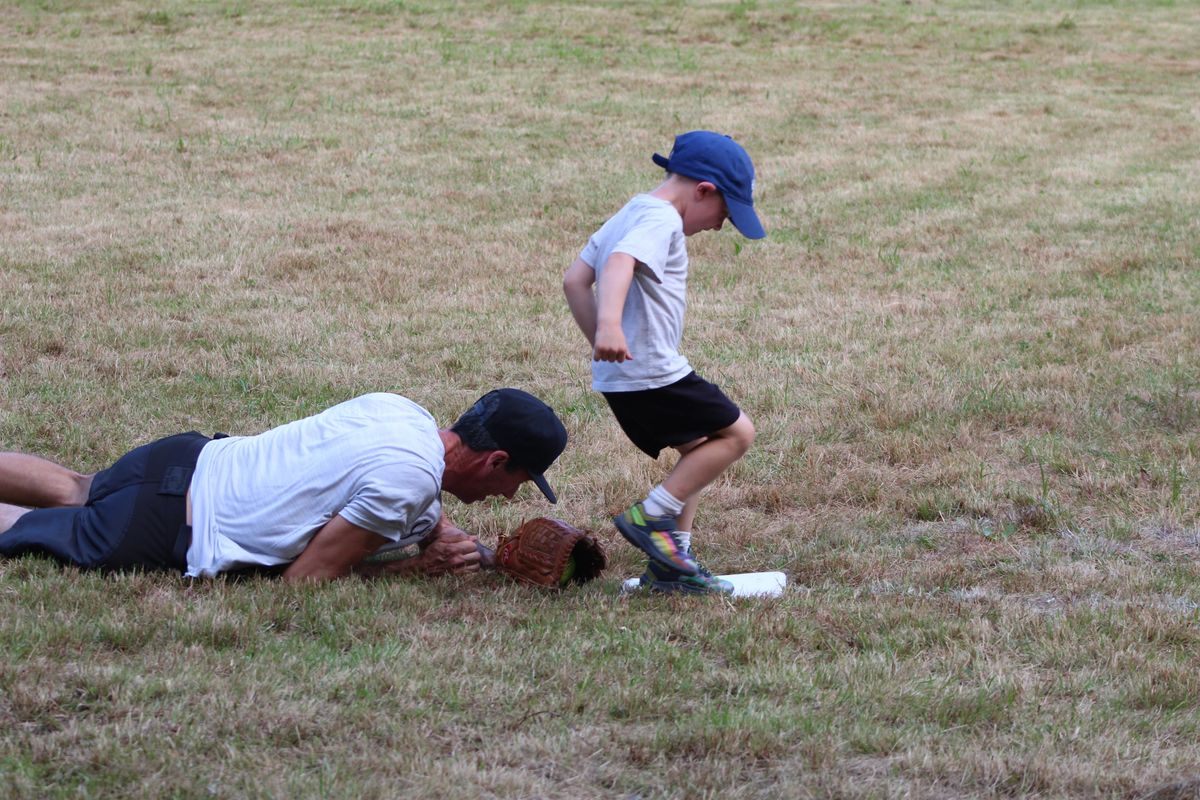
[
  {"x": 9, "y": 515},
  {"x": 37, "y": 483}
]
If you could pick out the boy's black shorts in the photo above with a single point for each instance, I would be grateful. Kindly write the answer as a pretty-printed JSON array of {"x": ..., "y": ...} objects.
[
  {"x": 135, "y": 516},
  {"x": 687, "y": 410}
]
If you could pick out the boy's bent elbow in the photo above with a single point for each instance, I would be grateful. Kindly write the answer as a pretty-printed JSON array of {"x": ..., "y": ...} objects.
[
  {"x": 578, "y": 276},
  {"x": 577, "y": 296}
]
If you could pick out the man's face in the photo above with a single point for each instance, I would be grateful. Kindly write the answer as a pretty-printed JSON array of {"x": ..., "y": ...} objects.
[{"x": 495, "y": 480}]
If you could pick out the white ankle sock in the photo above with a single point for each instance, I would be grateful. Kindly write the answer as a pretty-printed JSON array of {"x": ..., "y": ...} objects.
[
  {"x": 661, "y": 503},
  {"x": 683, "y": 539}
]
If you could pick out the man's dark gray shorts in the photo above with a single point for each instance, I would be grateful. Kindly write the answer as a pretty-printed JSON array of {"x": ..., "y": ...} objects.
[{"x": 135, "y": 516}]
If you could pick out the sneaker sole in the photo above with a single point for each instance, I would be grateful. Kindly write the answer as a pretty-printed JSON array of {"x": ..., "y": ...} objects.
[
  {"x": 642, "y": 542},
  {"x": 672, "y": 587}
]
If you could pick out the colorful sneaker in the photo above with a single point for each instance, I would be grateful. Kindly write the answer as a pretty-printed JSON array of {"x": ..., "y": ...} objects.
[
  {"x": 717, "y": 584},
  {"x": 659, "y": 579},
  {"x": 652, "y": 535}
]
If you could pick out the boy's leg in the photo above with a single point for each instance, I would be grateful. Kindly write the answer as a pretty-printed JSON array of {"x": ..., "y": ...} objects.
[
  {"x": 702, "y": 463},
  {"x": 660, "y": 579},
  {"x": 687, "y": 517},
  {"x": 38, "y": 483},
  {"x": 656, "y": 418}
]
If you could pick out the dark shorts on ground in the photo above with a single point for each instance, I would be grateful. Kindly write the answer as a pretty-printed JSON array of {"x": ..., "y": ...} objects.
[
  {"x": 687, "y": 410},
  {"x": 135, "y": 516}
]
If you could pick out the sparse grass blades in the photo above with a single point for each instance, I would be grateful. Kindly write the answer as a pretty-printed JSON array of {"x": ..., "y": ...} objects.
[{"x": 967, "y": 346}]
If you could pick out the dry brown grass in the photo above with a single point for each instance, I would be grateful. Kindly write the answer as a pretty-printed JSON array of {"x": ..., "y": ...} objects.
[{"x": 969, "y": 346}]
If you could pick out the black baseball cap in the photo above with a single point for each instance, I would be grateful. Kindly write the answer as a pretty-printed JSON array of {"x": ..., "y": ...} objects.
[{"x": 522, "y": 426}]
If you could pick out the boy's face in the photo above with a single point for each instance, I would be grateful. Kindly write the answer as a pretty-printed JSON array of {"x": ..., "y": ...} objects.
[{"x": 706, "y": 210}]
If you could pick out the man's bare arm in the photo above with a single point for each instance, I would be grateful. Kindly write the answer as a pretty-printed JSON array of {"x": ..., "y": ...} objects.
[
  {"x": 334, "y": 551},
  {"x": 448, "y": 550},
  {"x": 340, "y": 547}
]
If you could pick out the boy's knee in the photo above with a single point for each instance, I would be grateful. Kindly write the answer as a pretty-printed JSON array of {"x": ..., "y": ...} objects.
[
  {"x": 742, "y": 433},
  {"x": 750, "y": 432}
]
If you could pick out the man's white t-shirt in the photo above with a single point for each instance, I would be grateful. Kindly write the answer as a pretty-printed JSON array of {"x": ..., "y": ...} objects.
[
  {"x": 376, "y": 460},
  {"x": 650, "y": 230}
]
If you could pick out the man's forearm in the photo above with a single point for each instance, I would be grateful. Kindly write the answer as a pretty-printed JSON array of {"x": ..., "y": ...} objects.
[
  {"x": 412, "y": 565},
  {"x": 309, "y": 571},
  {"x": 334, "y": 551}
]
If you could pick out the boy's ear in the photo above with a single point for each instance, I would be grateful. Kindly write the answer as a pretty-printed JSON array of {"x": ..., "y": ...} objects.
[
  {"x": 497, "y": 459},
  {"x": 705, "y": 188}
]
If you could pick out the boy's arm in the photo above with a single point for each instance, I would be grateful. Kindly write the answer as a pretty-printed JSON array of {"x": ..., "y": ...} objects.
[
  {"x": 599, "y": 315},
  {"x": 610, "y": 344},
  {"x": 577, "y": 286}
]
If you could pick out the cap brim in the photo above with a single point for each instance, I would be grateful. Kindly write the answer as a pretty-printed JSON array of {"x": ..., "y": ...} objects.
[
  {"x": 744, "y": 218},
  {"x": 540, "y": 482}
]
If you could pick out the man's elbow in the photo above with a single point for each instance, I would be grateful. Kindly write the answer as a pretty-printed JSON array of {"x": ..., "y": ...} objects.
[
  {"x": 304, "y": 576},
  {"x": 310, "y": 571}
]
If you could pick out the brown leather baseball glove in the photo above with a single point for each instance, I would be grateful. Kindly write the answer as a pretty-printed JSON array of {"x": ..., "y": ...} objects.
[{"x": 549, "y": 552}]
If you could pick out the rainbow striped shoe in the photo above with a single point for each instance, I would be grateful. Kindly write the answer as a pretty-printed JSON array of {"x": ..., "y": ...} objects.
[
  {"x": 652, "y": 535},
  {"x": 668, "y": 581}
]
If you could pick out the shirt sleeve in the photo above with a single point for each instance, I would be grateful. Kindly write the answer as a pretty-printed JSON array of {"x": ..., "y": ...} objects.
[
  {"x": 588, "y": 254},
  {"x": 397, "y": 503},
  {"x": 648, "y": 240}
]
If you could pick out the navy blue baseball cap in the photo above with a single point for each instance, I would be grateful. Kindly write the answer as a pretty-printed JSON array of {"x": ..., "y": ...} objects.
[
  {"x": 522, "y": 426},
  {"x": 718, "y": 159}
]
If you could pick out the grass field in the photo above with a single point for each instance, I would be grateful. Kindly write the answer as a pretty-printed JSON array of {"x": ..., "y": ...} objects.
[{"x": 969, "y": 345}]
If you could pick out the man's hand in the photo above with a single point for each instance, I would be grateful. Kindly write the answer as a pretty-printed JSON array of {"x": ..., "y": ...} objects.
[{"x": 450, "y": 552}]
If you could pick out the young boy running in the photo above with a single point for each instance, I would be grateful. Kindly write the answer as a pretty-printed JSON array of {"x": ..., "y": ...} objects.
[{"x": 638, "y": 263}]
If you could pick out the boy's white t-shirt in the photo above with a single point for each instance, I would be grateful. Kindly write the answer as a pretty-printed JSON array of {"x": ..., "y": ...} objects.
[
  {"x": 376, "y": 460},
  {"x": 650, "y": 230}
]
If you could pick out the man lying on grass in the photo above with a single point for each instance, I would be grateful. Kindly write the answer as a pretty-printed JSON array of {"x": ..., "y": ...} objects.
[{"x": 320, "y": 495}]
